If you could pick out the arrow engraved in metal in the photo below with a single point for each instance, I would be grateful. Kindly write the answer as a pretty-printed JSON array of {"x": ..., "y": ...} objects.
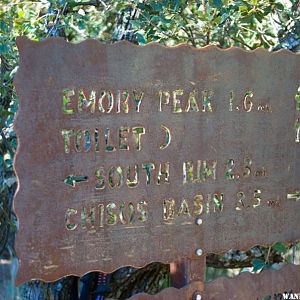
[
  {"x": 72, "y": 179},
  {"x": 294, "y": 196}
]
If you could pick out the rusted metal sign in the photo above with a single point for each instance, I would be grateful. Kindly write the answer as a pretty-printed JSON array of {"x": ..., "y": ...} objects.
[
  {"x": 188, "y": 292},
  {"x": 129, "y": 155},
  {"x": 269, "y": 285}
]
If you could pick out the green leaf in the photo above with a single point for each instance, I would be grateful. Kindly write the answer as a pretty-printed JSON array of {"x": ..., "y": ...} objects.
[
  {"x": 164, "y": 20},
  {"x": 21, "y": 13},
  {"x": 176, "y": 4},
  {"x": 243, "y": 8},
  {"x": 3, "y": 26},
  {"x": 258, "y": 17},
  {"x": 141, "y": 39},
  {"x": 136, "y": 24},
  {"x": 217, "y": 3},
  {"x": 155, "y": 19},
  {"x": 139, "y": 6},
  {"x": 4, "y": 48},
  {"x": 4, "y": 114},
  {"x": 81, "y": 24},
  {"x": 279, "y": 6},
  {"x": 217, "y": 20},
  {"x": 224, "y": 17},
  {"x": 8, "y": 162},
  {"x": 124, "y": 5},
  {"x": 280, "y": 247},
  {"x": 156, "y": 6},
  {"x": 258, "y": 264}
]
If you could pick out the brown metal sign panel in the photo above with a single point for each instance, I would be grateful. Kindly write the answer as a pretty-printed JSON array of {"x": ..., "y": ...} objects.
[
  {"x": 186, "y": 293},
  {"x": 184, "y": 271},
  {"x": 129, "y": 155},
  {"x": 187, "y": 280},
  {"x": 271, "y": 284}
]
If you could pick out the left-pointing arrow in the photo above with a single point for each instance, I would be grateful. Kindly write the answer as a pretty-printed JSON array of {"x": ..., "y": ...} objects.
[{"x": 72, "y": 179}]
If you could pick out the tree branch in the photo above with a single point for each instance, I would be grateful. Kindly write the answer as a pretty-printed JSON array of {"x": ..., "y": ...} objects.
[
  {"x": 95, "y": 3},
  {"x": 188, "y": 31},
  {"x": 241, "y": 42}
]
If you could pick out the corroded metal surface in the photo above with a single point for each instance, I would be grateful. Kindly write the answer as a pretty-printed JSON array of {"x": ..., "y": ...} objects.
[
  {"x": 252, "y": 287},
  {"x": 187, "y": 293},
  {"x": 246, "y": 286},
  {"x": 185, "y": 271},
  {"x": 231, "y": 112}
]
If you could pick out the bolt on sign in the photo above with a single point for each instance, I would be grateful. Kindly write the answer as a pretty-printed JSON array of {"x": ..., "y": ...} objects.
[{"x": 129, "y": 155}]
